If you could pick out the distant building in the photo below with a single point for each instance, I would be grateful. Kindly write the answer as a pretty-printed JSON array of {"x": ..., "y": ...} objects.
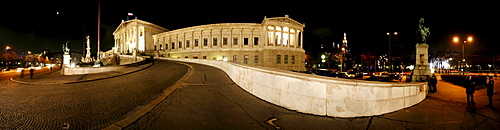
[{"x": 276, "y": 42}]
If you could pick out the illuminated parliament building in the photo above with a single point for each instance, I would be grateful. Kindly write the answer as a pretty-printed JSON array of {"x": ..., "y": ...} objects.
[{"x": 276, "y": 42}]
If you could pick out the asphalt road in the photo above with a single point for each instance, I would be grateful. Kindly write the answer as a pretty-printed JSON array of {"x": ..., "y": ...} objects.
[{"x": 86, "y": 105}]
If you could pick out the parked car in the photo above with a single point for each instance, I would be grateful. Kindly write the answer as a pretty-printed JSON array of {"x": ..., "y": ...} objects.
[
  {"x": 343, "y": 74},
  {"x": 352, "y": 75},
  {"x": 325, "y": 72}
]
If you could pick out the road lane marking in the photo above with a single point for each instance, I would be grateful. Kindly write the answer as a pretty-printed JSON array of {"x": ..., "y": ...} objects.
[
  {"x": 143, "y": 111},
  {"x": 270, "y": 122}
]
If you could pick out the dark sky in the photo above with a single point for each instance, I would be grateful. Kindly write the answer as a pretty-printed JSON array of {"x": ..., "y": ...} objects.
[{"x": 36, "y": 25}]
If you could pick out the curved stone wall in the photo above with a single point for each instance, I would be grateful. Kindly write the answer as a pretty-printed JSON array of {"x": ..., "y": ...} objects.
[{"x": 320, "y": 95}]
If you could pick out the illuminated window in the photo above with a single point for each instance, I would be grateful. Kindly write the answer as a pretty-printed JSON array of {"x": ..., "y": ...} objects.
[
  {"x": 256, "y": 59},
  {"x": 245, "y": 41},
  {"x": 293, "y": 60},
  {"x": 245, "y": 59},
  {"x": 255, "y": 40},
  {"x": 235, "y": 40},
  {"x": 195, "y": 42},
  {"x": 214, "y": 41},
  {"x": 224, "y": 41},
  {"x": 286, "y": 59},
  {"x": 205, "y": 42},
  {"x": 161, "y": 47},
  {"x": 278, "y": 59},
  {"x": 214, "y": 57}
]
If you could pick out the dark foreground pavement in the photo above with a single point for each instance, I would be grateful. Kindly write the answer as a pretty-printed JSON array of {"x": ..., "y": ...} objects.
[{"x": 208, "y": 99}]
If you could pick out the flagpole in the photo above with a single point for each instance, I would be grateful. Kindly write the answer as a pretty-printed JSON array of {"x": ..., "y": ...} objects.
[{"x": 98, "y": 30}]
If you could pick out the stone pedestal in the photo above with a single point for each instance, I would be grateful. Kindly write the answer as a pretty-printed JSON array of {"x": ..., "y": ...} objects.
[
  {"x": 422, "y": 69},
  {"x": 66, "y": 60}
]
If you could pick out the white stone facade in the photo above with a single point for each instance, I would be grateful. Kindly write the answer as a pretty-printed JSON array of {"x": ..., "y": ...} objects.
[{"x": 276, "y": 42}]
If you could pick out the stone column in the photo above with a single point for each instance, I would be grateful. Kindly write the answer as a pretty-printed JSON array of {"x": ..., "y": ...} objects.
[{"x": 302, "y": 39}]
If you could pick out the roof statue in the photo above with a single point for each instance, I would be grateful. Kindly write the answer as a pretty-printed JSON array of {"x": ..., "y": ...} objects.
[{"x": 422, "y": 32}]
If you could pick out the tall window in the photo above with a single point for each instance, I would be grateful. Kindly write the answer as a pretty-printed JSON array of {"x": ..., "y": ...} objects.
[
  {"x": 235, "y": 40},
  {"x": 173, "y": 45},
  {"x": 256, "y": 59},
  {"x": 293, "y": 60},
  {"x": 205, "y": 42},
  {"x": 196, "y": 42},
  {"x": 286, "y": 59},
  {"x": 256, "y": 41},
  {"x": 161, "y": 47},
  {"x": 214, "y": 41},
  {"x": 245, "y": 41},
  {"x": 188, "y": 42},
  {"x": 278, "y": 59},
  {"x": 235, "y": 58},
  {"x": 166, "y": 46},
  {"x": 155, "y": 48},
  {"x": 180, "y": 44},
  {"x": 224, "y": 41},
  {"x": 245, "y": 59}
]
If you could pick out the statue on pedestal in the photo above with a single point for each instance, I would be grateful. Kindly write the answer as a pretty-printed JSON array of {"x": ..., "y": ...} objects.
[
  {"x": 65, "y": 48},
  {"x": 422, "y": 32}
]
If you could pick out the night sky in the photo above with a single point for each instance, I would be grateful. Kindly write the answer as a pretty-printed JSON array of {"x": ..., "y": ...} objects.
[{"x": 35, "y": 26}]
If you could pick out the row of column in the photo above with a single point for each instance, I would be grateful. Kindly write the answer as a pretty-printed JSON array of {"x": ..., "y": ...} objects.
[
  {"x": 166, "y": 41},
  {"x": 271, "y": 35},
  {"x": 131, "y": 35}
]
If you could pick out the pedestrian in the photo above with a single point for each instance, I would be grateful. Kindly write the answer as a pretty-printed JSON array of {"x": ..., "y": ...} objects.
[
  {"x": 489, "y": 90},
  {"x": 429, "y": 83},
  {"x": 434, "y": 83},
  {"x": 31, "y": 73},
  {"x": 469, "y": 90},
  {"x": 22, "y": 74}
]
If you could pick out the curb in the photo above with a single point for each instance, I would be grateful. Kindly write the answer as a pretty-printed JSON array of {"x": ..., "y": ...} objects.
[
  {"x": 71, "y": 82},
  {"x": 144, "y": 110}
]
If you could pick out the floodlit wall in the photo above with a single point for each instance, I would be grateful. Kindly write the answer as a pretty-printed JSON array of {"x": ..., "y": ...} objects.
[
  {"x": 124, "y": 60},
  {"x": 320, "y": 95}
]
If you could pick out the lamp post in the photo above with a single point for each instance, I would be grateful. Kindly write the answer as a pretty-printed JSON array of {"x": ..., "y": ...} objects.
[
  {"x": 456, "y": 40},
  {"x": 6, "y": 50},
  {"x": 389, "y": 53}
]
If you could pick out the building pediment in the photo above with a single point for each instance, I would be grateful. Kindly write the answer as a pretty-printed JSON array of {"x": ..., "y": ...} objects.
[
  {"x": 282, "y": 21},
  {"x": 149, "y": 25}
]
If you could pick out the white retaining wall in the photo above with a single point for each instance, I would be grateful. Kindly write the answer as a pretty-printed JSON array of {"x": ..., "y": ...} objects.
[{"x": 320, "y": 95}]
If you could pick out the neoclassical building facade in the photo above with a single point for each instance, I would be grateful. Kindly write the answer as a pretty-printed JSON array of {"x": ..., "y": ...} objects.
[{"x": 276, "y": 42}]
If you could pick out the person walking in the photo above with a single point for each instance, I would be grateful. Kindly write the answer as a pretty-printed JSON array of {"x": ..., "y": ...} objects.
[
  {"x": 489, "y": 90},
  {"x": 434, "y": 82},
  {"x": 31, "y": 73},
  {"x": 22, "y": 74},
  {"x": 429, "y": 83},
  {"x": 469, "y": 90}
]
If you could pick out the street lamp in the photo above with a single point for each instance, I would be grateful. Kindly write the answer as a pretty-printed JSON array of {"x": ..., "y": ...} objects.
[
  {"x": 456, "y": 40},
  {"x": 6, "y": 49},
  {"x": 389, "y": 54}
]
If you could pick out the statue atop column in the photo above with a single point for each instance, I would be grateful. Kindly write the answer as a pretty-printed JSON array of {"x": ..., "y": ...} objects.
[
  {"x": 422, "y": 32},
  {"x": 87, "y": 57}
]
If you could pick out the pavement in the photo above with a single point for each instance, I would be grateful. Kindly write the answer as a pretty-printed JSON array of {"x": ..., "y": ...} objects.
[
  {"x": 445, "y": 109},
  {"x": 48, "y": 77}
]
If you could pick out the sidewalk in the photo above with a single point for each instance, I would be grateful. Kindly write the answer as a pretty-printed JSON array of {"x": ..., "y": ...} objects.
[{"x": 50, "y": 77}]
